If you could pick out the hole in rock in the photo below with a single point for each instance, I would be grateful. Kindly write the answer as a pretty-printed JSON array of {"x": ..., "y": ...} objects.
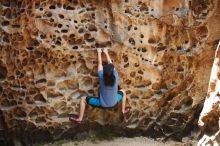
[
  {"x": 131, "y": 41},
  {"x": 41, "y": 81},
  {"x": 180, "y": 69},
  {"x": 59, "y": 25},
  {"x": 126, "y": 65},
  {"x": 167, "y": 129},
  {"x": 51, "y": 20},
  {"x": 70, "y": 8},
  {"x": 128, "y": 82},
  {"x": 32, "y": 91},
  {"x": 58, "y": 43},
  {"x": 92, "y": 28},
  {"x": 72, "y": 36},
  {"x": 17, "y": 72},
  {"x": 128, "y": 92},
  {"x": 61, "y": 16},
  {"x": 52, "y": 7},
  {"x": 37, "y": 111},
  {"x": 132, "y": 74},
  {"x": 59, "y": 38},
  {"x": 127, "y": 11},
  {"x": 144, "y": 50},
  {"x": 64, "y": 30},
  {"x": 6, "y": 3},
  {"x": 42, "y": 36},
  {"x": 86, "y": 36},
  {"x": 34, "y": 43},
  {"x": 18, "y": 112},
  {"x": 6, "y": 39},
  {"x": 39, "y": 97},
  {"x": 5, "y": 23},
  {"x": 13, "y": 3},
  {"x": 75, "y": 2},
  {"x": 81, "y": 30},
  {"x": 30, "y": 48},
  {"x": 90, "y": 40},
  {"x": 152, "y": 41},
  {"x": 79, "y": 41},
  {"x": 142, "y": 36},
  {"x": 48, "y": 14},
  {"x": 15, "y": 26},
  {"x": 129, "y": 27},
  {"x": 5, "y": 102},
  {"x": 91, "y": 91},
  {"x": 1, "y": 89},
  {"x": 141, "y": 72},
  {"x": 178, "y": 107},
  {"x": 134, "y": 97},
  {"x": 11, "y": 78},
  {"x": 40, "y": 120},
  {"x": 7, "y": 13},
  {"x": 3, "y": 72},
  {"x": 171, "y": 96},
  {"x": 59, "y": 5},
  {"x": 179, "y": 47},
  {"x": 93, "y": 9},
  {"x": 102, "y": 45},
  {"x": 93, "y": 15},
  {"x": 75, "y": 47},
  {"x": 125, "y": 57},
  {"x": 136, "y": 64},
  {"x": 161, "y": 48},
  {"x": 188, "y": 101}
]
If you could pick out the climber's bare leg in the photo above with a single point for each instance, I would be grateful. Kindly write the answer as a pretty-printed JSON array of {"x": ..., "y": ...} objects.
[
  {"x": 123, "y": 101},
  {"x": 81, "y": 110}
]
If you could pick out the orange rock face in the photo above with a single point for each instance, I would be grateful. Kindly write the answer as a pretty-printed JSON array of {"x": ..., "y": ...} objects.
[
  {"x": 209, "y": 120},
  {"x": 163, "y": 51}
]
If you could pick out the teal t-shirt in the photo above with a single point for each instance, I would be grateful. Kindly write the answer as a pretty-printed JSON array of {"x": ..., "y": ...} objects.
[{"x": 108, "y": 94}]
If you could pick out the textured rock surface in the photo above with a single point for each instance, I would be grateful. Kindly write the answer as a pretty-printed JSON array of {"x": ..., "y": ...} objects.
[
  {"x": 163, "y": 51},
  {"x": 209, "y": 120}
]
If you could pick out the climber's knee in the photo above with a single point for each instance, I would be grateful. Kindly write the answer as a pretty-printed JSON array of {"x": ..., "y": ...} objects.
[
  {"x": 83, "y": 99},
  {"x": 123, "y": 91}
]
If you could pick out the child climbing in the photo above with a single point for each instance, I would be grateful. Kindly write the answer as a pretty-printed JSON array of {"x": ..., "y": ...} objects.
[{"x": 109, "y": 94}]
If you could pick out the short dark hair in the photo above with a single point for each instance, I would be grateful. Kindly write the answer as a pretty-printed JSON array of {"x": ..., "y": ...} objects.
[{"x": 108, "y": 75}]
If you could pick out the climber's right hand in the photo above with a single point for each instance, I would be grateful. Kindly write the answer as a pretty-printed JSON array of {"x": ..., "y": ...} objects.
[
  {"x": 105, "y": 50},
  {"x": 99, "y": 50}
]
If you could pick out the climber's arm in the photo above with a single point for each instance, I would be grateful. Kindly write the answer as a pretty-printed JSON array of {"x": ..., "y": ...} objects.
[
  {"x": 107, "y": 55},
  {"x": 100, "y": 67}
]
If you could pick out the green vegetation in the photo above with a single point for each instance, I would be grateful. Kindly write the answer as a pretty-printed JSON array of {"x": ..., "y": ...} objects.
[{"x": 59, "y": 142}]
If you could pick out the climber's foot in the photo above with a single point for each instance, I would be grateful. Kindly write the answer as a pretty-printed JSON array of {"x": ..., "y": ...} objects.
[
  {"x": 126, "y": 110},
  {"x": 76, "y": 119}
]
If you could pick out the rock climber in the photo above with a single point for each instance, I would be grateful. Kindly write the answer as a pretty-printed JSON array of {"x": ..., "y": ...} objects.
[{"x": 109, "y": 93}]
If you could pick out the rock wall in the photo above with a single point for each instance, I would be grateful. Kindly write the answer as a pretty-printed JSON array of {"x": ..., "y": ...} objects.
[
  {"x": 209, "y": 120},
  {"x": 163, "y": 50}
]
